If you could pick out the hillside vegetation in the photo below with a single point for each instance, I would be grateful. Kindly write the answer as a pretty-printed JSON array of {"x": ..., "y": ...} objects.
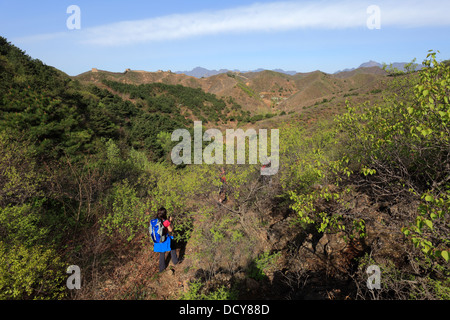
[
  {"x": 259, "y": 92},
  {"x": 364, "y": 179}
]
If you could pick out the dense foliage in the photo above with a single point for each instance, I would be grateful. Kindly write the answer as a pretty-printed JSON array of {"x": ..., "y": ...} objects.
[
  {"x": 398, "y": 154},
  {"x": 170, "y": 99}
]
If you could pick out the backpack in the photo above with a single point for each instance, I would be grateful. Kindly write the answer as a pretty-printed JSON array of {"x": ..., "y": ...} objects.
[{"x": 156, "y": 230}]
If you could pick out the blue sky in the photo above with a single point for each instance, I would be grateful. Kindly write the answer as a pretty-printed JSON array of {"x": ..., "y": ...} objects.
[{"x": 180, "y": 35}]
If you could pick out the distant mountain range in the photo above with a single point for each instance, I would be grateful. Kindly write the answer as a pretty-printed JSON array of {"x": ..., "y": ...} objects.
[
  {"x": 398, "y": 65},
  {"x": 200, "y": 72},
  {"x": 261, "y": 91}
]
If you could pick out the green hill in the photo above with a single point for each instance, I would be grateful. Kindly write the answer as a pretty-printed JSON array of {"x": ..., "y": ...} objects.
[{"x": 256, "y": 92}]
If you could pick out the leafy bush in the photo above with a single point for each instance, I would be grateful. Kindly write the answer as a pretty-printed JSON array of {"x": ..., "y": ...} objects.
[
  {"x": 20, "y": 180},
  {"x": 314, "y": 169},
  {"x": 405, "y": 140},
  {"x": 126, "y": 216},
  {"x": 401, "y": 149},
  {"x": 31, "y": 273},
  {"x": 262, "y": 264},
  {"x": 430, "y": 230},
  {"x": 21, "y": 224},
  {"x": 399, "y": 284},
  {"x": 196, "y": 289}
]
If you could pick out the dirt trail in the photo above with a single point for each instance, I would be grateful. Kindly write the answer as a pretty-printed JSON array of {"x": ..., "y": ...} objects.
[{"x": 139, "y": 278}]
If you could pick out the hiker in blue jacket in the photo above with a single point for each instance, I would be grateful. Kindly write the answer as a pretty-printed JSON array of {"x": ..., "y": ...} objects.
[{"x": 165, "y": 246}]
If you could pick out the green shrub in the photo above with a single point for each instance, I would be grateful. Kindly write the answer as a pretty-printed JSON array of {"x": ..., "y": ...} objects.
[
  {"x": 196, "y": 292},
  {"x": 401, "y": 148},
  {"x": 31, "y": 273},
  {"x": 21, "y": 224},
  {"x": 126, "y": 213},
  {"x": 262, "y": 264}
]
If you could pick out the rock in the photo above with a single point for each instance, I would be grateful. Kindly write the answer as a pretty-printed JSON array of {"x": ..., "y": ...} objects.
[
  {"x": 308, "y": 243},
  {"x": 331, "y": 245},
  {"x": 322, "y": 246},
  {"x": 336, "y": 242},
  {"x": 280, "y": 234}
]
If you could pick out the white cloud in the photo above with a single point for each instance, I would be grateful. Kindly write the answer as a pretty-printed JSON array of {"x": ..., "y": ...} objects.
[
  {"x": 415, "y": 13},
  {"x": 265, "y": 17},
  {"x": 268, "y": 17}
]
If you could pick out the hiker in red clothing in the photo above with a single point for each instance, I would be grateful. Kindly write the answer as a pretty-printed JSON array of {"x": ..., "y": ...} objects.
[
  {"x": 167, "y": 244},
  {"x": 222, "y": 191},
  {"x": 264, "y": 178}
]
